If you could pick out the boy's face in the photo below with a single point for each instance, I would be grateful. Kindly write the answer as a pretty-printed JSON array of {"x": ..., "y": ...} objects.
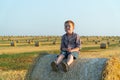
[{"x": 69, "y": 28}]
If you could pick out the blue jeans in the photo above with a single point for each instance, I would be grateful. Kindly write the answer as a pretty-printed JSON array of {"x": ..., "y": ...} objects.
[{"x": 66, "y": 53}]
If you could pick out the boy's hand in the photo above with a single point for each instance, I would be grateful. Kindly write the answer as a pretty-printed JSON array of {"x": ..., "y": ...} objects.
[{"x": 69, "y": 50}]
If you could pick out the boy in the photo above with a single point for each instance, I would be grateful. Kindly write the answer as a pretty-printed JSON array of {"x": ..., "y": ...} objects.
[{"x": 70, "y": 45}]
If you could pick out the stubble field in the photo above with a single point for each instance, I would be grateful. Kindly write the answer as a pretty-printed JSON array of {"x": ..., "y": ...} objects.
[{"x": 17, "y": 53}]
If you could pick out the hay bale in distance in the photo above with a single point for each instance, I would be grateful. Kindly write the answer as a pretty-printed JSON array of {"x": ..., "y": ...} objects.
[
  {"x": 112, "y": 69},
  {"x": 30, "y": 41},
  {"x": 103, "y": 46},
  {"x": 93, "y": 40},
  {"x": 54, "y": 42},
  {"x": 108, "y": 43},
  {"x": 96, "y": 42},
  {"x": 17, "y": 41},
  {"x": 37, "y": 43},
  {"x": 87, "y": 39},
  {"x": 81, "y": 42},
  {"x": 81, "y": 69},
  {"x": 113, "y": 40},
  {"x": 2, "y": 38},
  {"x": 9, "y": 39},
  {"x": 13, "y": 43}
]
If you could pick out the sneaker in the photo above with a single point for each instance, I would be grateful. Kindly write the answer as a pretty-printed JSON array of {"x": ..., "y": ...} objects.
[
  {"x": 65, "y": 66},
  {"x": 54, "y": 66}
]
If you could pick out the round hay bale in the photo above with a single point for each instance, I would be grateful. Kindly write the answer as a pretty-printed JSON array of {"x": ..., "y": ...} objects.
[
  {"x": 54, "y": 42},
  {"x": 87, "y": 39},
  {"x": 112, "y": 69},
  {"x": 93, "y": 40},
  {"x": 37, "y": 43},
  {"x": 26, "y": 41},
  {"x": 81, "y": 42},
  {"x": 30, "y": 41},
  {"x": 103, "y": 46},
  {"x": 13, "y": 43},
  {"x": 96, "y": 42},
  {"x": 9, "y": 39},
  {"x": 81, "y": 69},
  {"x": 2, "y": 38},
  {"x": 113, "y": 40},
  {"x": 108, "y": 43},
  {"x": 17, "y": 41}
]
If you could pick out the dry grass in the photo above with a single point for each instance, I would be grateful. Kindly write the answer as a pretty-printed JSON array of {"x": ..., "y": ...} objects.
[
  {"x": 12, "y": 75},
  {"x": 104, "y": 53},
  {"x": 12, "y": 50}
]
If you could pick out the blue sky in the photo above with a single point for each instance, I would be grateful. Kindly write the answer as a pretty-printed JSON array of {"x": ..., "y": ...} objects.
[{"x": 46, "y": 17}]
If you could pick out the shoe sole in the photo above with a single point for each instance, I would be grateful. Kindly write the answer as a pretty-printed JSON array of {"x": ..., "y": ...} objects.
[
  {"x": 65, "y": 67},
  {"x": 54, "y": 66}
]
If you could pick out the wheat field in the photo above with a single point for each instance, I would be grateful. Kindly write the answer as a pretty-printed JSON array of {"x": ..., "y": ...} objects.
[{"x": 25, "y": 51}]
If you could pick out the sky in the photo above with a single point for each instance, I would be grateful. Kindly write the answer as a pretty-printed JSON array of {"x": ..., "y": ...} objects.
[{"x": 47, "y": 17}]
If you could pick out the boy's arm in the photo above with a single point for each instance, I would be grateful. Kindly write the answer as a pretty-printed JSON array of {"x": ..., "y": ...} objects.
[
  {"x": 78, "y": 44},
  {"x": 64, "y": 49},
  {"x": 75, "y": 49},
  {"x": 71, "y": 50}
]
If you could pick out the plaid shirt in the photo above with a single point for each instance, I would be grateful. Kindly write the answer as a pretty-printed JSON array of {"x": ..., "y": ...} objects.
[{"x": 70, "y": 42}]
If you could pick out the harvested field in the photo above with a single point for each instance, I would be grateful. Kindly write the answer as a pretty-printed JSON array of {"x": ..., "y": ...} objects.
[{"x": 25, "y": 53}]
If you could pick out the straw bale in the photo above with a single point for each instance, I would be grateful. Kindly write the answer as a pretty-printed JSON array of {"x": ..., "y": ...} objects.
[
  {"x": 54, "y": 42},
  {"x": 81, "y": 69},
  {"x": 13, "y": 43},
  {"x": 108, "y": 43},
  {"x": 112, "y": 69},
  {"x": 96, "y": 42},
  {"x": 17, "y": 41},
  {"x": 103, "y": 46},
  {"x": 30, "y": 41},
  {"x": 37, "y": 43},
  {"x": 82, "y": 42}
]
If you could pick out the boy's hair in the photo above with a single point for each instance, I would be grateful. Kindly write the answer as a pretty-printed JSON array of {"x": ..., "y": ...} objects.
[{"x": 70, "y": 21}]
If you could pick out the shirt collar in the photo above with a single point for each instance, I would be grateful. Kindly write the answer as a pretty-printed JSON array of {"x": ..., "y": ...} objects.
[{"x": 72, "y": 33}]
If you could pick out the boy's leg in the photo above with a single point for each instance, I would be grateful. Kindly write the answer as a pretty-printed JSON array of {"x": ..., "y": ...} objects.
[
  {"x": 55, "y": 63},
  {"x": 66, "y": 65},
  {"x": 59, "y": 59},
  {"x": 70, "y": 59},
  {"x": 54, "y": 66}
]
